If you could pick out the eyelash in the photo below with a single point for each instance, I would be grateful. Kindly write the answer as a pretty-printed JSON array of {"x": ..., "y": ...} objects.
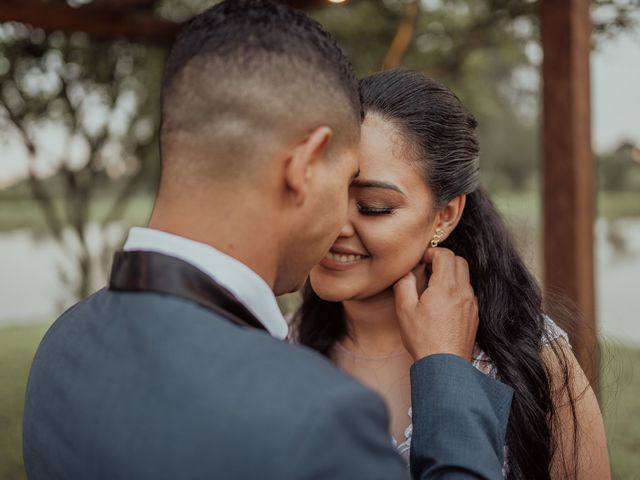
[{"x": 374, "y": 211}]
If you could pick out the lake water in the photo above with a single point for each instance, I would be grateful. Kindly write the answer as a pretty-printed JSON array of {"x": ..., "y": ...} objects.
[{"x": 32, "y": 269}]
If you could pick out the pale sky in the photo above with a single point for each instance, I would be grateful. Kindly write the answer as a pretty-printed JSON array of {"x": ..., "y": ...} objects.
[{"x": 615, "y": 91}]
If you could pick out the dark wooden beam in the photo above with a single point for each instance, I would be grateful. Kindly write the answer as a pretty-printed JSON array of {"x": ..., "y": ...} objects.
[
  {"x": 95, "y": 20},
  {"x": 107, "y": 18},
  {"x": 569, "y": 169},
  {"x": 123, "y": 5},
  {"x": 305, "y": 4}
]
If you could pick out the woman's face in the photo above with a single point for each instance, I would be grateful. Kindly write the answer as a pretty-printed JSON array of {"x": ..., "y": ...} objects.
[{"x": 390, "y": 223}]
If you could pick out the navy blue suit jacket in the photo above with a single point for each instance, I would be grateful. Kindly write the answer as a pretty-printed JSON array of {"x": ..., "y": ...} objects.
[{"x": 148, "y": 385}]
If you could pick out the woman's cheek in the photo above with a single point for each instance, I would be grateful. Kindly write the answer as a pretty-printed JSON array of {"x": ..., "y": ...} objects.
[{"x": 394, "y": 265}]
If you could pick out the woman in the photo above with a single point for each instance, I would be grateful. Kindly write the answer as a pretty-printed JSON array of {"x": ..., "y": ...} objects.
[{"x": 418, "y": 188}]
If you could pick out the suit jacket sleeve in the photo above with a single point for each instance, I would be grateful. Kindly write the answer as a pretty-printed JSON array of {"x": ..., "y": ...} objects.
[
  {"x": 460, "y": 419},
  {"x": 347, "y": 438},
  {"x": 459, "y": 423}
]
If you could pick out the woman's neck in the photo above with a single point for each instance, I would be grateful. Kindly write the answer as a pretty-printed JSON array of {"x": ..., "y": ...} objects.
[{"x": 372, "y": 325}]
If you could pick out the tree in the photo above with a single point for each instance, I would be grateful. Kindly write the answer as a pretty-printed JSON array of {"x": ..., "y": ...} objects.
[
  {"x": 101, "y": 98},
  {"x": 486, "y": 51},
  {"x": 619, "y": 169}
]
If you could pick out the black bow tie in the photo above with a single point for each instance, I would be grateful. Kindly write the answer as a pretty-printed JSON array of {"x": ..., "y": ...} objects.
[{"x": 139, "y": 271}]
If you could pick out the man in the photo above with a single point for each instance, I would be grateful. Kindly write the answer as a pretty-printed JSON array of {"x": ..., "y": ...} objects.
[{"x": 179, "y": 368}]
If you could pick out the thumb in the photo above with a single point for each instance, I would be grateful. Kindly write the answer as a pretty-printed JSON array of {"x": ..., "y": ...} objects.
[{"x": 406, "y": 293}]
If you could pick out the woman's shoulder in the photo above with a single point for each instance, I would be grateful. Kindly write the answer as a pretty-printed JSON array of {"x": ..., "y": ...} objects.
[{"x": 553, "y": 332}]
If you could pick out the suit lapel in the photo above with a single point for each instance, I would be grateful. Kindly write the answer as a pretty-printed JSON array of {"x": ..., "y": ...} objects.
[{"x": 139, "y": 271}]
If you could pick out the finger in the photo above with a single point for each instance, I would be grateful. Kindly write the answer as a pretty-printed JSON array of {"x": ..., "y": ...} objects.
[
  {"x": 422, "y": 279},
  {"x": 405, "y": 293},
  {"x": 438, "y": 256},
  {"x": 462, "y": 271},
  {"x": 442, "y": 263},
  {"x": 419, "y": 269}
]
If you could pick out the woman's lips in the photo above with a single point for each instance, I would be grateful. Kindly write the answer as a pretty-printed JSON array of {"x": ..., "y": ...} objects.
[
  {"x": 341, "y": 261},
  {"x": 338, "y": 249}
]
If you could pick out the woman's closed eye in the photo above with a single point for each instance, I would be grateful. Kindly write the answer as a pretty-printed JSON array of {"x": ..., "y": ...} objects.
[{"x": 374, "y": 210}]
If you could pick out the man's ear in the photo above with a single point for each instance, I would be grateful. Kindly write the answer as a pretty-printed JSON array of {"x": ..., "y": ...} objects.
[
  {"x": 302, "y": 161},
  {"x": 447, "y": 218}
]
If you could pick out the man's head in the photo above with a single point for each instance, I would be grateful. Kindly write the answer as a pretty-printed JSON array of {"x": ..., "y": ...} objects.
[{"x": 260, "y": 105}]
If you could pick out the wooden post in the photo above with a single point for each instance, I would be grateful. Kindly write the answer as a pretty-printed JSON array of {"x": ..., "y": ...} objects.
[{"x": 569, "y": 169}]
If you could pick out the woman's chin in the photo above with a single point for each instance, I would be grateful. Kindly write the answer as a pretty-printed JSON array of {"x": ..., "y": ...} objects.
[
  {"x": 330, "y": 290},
  {"x": 332, "y": 295}
]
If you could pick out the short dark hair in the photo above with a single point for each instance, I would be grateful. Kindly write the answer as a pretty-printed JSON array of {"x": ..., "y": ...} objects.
[{"x": 246, "y": 70}]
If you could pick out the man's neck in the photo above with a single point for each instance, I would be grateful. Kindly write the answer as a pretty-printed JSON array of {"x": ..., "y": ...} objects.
[{"x": 241, "y": 235}]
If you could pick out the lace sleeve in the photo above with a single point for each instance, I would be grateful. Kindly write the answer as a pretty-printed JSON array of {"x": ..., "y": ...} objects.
[
  {"x": 553, "y": 332},
  {"x": 292, "y": 336}
]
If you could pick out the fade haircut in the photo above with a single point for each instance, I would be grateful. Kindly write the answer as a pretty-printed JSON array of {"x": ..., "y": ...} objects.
[{"x": 245, "y": 76}]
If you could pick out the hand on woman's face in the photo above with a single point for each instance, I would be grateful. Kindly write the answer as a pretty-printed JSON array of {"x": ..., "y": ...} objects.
[{"x": 390, "y": 222}]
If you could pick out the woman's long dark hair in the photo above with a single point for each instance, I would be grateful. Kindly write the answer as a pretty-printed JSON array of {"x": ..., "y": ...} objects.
[{"x": 440, "y": 134}]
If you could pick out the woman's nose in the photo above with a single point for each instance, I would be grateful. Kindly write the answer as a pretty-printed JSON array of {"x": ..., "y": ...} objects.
[{"x": 348, "y": 229}]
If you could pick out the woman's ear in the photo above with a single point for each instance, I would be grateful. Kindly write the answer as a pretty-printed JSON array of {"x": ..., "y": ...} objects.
[{"x": 448, "y": 217}]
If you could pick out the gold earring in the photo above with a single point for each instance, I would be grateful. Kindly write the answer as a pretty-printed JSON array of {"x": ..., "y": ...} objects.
[{"x": 437, "y": 237}]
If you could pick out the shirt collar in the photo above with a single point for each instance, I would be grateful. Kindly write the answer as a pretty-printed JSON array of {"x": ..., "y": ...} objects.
[{"x": 245, "y": 284}]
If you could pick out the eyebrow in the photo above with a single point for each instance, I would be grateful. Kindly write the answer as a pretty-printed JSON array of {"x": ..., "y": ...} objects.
[{"x": 375, "y": 184}]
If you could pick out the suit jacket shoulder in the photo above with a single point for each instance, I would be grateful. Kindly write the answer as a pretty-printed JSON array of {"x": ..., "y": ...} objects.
[{"x": 153, "y": 386}]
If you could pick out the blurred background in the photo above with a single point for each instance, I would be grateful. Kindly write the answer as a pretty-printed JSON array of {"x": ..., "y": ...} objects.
[{"x": 79, "y": 98}]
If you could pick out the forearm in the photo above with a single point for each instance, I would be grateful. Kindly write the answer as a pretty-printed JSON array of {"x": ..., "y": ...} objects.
[{"x": 460, "y": 418}]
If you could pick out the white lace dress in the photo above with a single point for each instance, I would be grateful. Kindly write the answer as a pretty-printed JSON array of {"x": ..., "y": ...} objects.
[{"x": 482, "y": 362}]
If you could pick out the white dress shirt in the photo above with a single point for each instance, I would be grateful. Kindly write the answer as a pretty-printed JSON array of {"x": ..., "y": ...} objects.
[{"x": 245, "y": 284}]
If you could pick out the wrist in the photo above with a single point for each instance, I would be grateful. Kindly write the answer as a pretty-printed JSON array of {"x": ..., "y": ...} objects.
[{"x": 420, "y": 354}]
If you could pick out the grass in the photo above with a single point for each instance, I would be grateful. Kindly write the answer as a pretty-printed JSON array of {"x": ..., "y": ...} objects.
[
  {"x": 17, "y": 346},
  {"x": 521, "y": 208},
  {"x": 527, "y": 206},
  {"x": 22, "y": 212},
  {"x": 620, "y": 398},
  {"x": 619, "y": 204}
]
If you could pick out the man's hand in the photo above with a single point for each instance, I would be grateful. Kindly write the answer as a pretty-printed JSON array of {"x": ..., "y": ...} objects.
[{"x": 443, "y": 318}]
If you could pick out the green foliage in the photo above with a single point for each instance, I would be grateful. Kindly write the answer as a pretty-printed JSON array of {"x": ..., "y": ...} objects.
[
  {"x": 102, "y": 96},
  {"x": 20, "y": 211},
  {"x": 620, "y": 169},
  {"x": 619, "y": 204},
  {"x": 620, "y": 399},
  {"x": 17, "y": 347},
  {"x": 485, "y": 51},
  {"x": 98, "y": 101}
]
